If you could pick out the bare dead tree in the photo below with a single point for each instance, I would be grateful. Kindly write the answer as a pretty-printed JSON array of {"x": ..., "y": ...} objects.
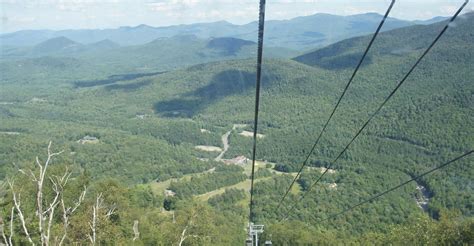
[
  {"x": 45, "y": 211},
  {"x": 136, "y": 232},
  {"x": 39, "y": 197}
]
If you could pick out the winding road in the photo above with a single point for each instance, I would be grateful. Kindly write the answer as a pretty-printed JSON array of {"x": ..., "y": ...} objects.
[{"x": 225, "y": 140}]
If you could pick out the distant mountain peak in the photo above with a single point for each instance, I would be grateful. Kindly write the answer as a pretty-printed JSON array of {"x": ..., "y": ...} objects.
[
  {"x": 228, "y": 45},
  {"x": 138, "y": 27},
  {"x": 59, "y": 41},
  {"x": 142, "y": 26},
  {"x": 224, "y": 22},
  {"x": 368, "y": 14},
  {"x": 108, "y": 41},
  {"x": 432, "y": 20},
  {"x": 56, "y": 44}
]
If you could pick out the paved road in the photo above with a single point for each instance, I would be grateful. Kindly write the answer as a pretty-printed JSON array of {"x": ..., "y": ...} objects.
[{"x": 225, "y": 142}]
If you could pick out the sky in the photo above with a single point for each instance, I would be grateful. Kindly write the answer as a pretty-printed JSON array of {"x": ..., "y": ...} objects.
[{"x": 99, "y": 14}]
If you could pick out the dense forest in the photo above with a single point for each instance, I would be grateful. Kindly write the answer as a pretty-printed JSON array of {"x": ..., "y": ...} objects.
[{"x": 139, "y": 160}]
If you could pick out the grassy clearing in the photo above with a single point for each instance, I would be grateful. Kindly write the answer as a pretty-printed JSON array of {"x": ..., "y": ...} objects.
[
  {"x": 208, "y": 148},
  {"x": 244, "y": 185},
  {"x": 250, "y": 134},
  {"x": 159, "y": 187}
]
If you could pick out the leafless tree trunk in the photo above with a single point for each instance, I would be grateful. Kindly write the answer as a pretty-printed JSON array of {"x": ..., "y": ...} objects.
[
  {"x": 12, "y": 216},
  {"x": 39, "y": 197},
  {"x": 95, "y": 214},
  {"x": 136, "y": 232},
  {"x": 17, "y": 203}
]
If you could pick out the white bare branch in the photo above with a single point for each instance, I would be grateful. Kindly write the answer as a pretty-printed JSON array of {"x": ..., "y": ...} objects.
[
  {"x": 55, "y": 202},
  {"x": 136, "y": 232},
  {"x": 23, "y": 172},
  {"x": 95, "y": 212},
  {"x": 57, "y": 187},
  {"x": 67, "y": 212},
  {"x": 17, "y": 203},
  {"x": 189, "y": 224},
  {"x": 3, "y": 232},
  {"x": 79, "y": 201},
  {"x": 111, "y": 211},
  {"x": 33, "y": 177},
  {"x": 12, "y": 216},
  {"x": 44, "y": 211},
  {"x": 44, "y": 236}
]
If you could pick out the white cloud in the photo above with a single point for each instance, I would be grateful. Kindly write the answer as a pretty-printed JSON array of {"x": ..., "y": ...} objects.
[
  {"x": 172, "y": 5},
  {"x": 21, "y": 19}
]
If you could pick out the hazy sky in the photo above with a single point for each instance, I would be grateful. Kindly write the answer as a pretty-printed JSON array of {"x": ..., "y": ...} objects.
[{"x": 76, "y": 14}]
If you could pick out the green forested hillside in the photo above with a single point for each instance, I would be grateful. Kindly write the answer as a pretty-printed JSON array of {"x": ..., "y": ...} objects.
[
  {"x": 163, "y": 54},
  {"x": 146, "y": 127}
]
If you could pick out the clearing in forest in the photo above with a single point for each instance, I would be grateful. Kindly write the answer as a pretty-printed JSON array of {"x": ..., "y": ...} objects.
[
  {"x": 250, "y": 134},
  {"x": 208, "y": 148}
]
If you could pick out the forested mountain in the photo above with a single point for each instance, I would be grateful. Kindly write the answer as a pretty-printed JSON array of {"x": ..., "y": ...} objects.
[
  {"x": 142, "y": 143},
  {"x": 161, "y": 54},
  {"x": 299, "y": 33}
]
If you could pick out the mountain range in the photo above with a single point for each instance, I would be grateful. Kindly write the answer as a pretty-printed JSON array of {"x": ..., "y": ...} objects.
[{"x": 298, "y": 33}]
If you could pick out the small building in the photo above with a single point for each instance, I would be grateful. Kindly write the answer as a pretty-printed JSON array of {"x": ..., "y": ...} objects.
[
  {"x": 239, "y": 160},
  {"x": 142, "y": 116},
  {"x": 88, "y": 140}
]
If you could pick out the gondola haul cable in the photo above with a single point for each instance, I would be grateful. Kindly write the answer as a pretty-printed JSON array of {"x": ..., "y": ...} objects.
[
  {"x": 400, "y": 83},
  {"x": 337, "y": 104},
  {"x": 398, "y": 186},
  {"x": 261, "y": 25}
]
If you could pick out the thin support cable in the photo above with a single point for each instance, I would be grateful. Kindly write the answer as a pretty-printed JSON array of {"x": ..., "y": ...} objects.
[
  {"x": 305, "y": 162},
  {"x": 382, "y": 105},
  {"x": 398, "y": 186}
]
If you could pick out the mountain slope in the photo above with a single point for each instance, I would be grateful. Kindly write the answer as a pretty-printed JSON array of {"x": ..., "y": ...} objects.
[
  {"x": 318, "y": 30},
  {"x": 392, "y": 44},
  {"x": 57, "y": 45},
  {"x": 160, "y": 54}
]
